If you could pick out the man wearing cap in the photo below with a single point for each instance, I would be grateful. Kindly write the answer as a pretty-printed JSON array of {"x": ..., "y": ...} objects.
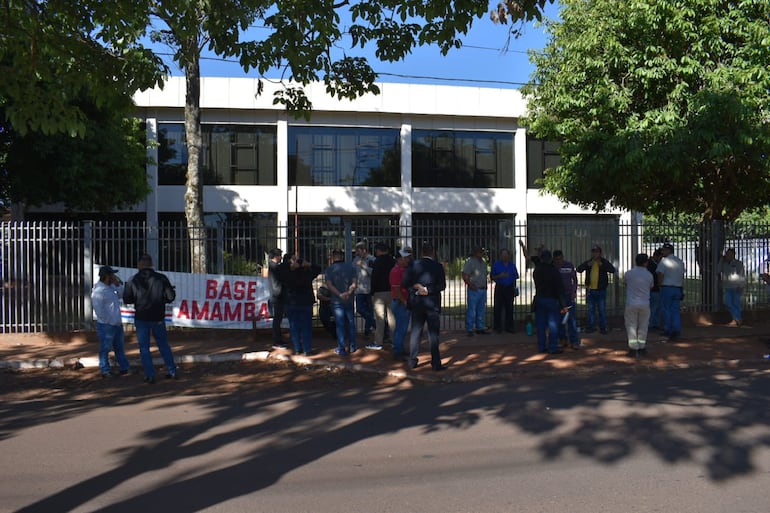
[
  {"x": 733, "y": 282},
  {"x": 475, "y": 278},
  {"x": 399, "y": 296},
  {"x": 670, "y": 273},
  {"x": 105, "y": 298},
  {"x": 596, "y": 282},
  {"x": 425, "y": 280}
]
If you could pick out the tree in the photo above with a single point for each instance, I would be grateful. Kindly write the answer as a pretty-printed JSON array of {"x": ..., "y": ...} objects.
[
  {"x": 301, "y": 37},
  {"x": 100, "y": 171},
  {"x": 660, "y": 106},
  {"x": 55, "y": 52}
]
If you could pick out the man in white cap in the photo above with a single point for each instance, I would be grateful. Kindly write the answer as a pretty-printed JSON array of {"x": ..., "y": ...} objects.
[{"x": 105, "y": 298}]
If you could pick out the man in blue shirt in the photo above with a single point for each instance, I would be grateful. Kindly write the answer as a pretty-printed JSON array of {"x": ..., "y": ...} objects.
[
  {"x": 341, "y": 281},
  {"x": 504, "y": 274}
]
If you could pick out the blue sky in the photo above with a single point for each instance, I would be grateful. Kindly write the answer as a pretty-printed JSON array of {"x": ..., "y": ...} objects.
[{"x": 480, "y": 62}]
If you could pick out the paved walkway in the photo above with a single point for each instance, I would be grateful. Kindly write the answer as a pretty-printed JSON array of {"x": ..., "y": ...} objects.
[{"x": 490, "y": 356}]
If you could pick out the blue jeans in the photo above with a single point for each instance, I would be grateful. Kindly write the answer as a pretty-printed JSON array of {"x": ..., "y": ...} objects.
[
  {"x": 475, "y": 315},
  {"x": 655, "y": 312},
  {"x": 570, "y": 329},
  {"x": 158, "y": 330},
  {"x": 111, "y": 338},
  {"x": 597, "y": 299},
  {"x": 345, "y": 320},
  {"x": 670, "y": 298},
  {"x": 365, "y": 309},
  {"x": 300, "y": 327},
  {"x": 547, "y": 318},
  {"x": 401, "y": 313},
  {"x": 732, "y": 298}
]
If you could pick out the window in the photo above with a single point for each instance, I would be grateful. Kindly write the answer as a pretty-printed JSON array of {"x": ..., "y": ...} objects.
[
  {"x": 541, "y": 155},
  {"x": 344, "y": 156},
  {"x": 462, "y": 159},
  {"x": 232, "y": 155}
]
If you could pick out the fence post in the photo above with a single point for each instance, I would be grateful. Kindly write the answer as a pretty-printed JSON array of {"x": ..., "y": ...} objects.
[{"x": 88, "y": 272}]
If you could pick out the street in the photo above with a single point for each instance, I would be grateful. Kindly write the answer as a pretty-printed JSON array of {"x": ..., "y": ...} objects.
[{"x": 679, "y": 441}]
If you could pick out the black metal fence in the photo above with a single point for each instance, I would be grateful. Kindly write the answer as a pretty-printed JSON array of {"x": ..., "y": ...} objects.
[{"x": 47, "y": 267}]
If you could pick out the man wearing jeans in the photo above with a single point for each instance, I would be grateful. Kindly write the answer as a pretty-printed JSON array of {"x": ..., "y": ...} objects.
[
  {"x": 670, "y": 272},
  {"x": 341, "y": 281},
  {"x": 596, "y": 282},
  {"x": 105, "y": 298},
  {"x": 475, "y": 278},
  {"x": 399, "y": 296},
  {"x": 149, "y": 291}
]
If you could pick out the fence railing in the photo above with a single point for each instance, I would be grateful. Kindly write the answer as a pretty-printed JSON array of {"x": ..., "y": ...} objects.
[{"x": 46, "y": 269}]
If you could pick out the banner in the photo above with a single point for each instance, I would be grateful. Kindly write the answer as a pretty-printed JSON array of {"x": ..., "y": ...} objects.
[{"x": 211, "y": 300}]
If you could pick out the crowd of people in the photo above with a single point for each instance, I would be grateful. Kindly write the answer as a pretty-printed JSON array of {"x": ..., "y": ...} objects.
[{"x": 397, "y": 296}]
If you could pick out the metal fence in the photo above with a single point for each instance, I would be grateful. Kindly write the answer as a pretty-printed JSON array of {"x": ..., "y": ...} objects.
[{"x": 47, "y": 267}]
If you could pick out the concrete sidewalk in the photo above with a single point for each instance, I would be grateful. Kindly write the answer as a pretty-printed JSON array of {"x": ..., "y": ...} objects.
[{"x": 501, "y": 356}]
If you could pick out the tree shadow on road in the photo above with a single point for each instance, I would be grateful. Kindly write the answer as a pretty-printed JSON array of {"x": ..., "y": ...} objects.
[{"x": 288, "y": 427}]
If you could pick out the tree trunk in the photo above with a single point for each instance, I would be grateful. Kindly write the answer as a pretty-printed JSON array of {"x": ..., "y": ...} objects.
[
  {"x": 194, "y": 192},
  {"x": 712, "y": 240}
]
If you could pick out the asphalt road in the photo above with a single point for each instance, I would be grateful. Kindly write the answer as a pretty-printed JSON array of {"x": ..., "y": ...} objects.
[{"x": 681, "y": 442}]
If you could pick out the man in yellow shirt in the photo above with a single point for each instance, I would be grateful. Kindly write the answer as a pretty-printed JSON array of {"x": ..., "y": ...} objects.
[{"x": 596, "y": 282}]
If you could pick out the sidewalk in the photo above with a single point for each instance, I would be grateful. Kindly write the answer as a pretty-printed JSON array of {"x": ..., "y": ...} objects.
[{"x": 501, "y": 356}]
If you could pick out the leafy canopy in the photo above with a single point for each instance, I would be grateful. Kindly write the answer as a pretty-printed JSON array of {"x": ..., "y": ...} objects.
[
  {"x": 660, "y": 105},
  {"x": 55, "y": 52}
]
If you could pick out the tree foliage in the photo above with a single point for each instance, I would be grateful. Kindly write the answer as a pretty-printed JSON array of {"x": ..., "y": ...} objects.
[
  {"x": 101, "y": 170},
  {"x": 660, "y": 105},
  {"x": 55, "y": 52}
]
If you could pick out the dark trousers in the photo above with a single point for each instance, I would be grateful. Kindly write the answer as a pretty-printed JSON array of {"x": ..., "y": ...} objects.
[
  {"x": 277, "y": 307},
  {"x": 421, "y": 316},
  {"x": 503, "y": 311}
]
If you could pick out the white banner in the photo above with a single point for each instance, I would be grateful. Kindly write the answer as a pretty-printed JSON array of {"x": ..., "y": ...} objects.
[{"x": 211, "y": 300}]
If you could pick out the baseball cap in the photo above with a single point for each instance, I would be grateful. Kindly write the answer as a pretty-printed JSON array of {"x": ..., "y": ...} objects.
[
  {"x": 404, "y": 252},
  {"x": 596, "y": 247},
  {"x": 106, "y": 270},
  {"x": 477, "y": 249},
  {"x": 668, "y": 245}
]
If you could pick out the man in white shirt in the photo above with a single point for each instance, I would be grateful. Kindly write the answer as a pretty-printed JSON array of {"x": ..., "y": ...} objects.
[
  {"x": 639, "y": 282},
  {"x": 105, "y": 298},
  {"x": 670, "y": 273}
]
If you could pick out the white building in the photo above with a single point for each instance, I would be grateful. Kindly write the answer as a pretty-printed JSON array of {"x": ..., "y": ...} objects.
[{"x": 412, "y": 150}]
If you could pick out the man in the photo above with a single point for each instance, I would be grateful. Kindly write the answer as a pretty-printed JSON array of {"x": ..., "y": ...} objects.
[
  {"x": 149, "y": 291},
  {"x": 504, "y": 274},
  {"x": 277, "y": 303},
  {"x": 341, "y": 281},
  {"x": 568, "y": 332},
  {"x": 399, "y": 296},
  {"x": 105, "y": 298},
  {"x": 596, "y": 282},
  {"x": 425, "y": 280},
  {"x": 383, "y": 310},
  {"x": 475, "y": 277},
  {"x": 362, "y": 263},
  {"x": 733, "y": 282},
  {"x": 655, "y": 311},
  {"x": 638, "y": 282},
  {"x": 670, "y": 272},
  {"x": 549, "y": 303}
]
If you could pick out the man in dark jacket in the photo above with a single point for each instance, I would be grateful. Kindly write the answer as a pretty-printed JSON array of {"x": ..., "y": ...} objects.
[
  {"x": 549, "y": 303},
  {"x": 596, "y": 282},
  {"x": 149, "y": 291},
  {"x": 425, "y": 280},
  {"x": 276, "y": 269}
]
